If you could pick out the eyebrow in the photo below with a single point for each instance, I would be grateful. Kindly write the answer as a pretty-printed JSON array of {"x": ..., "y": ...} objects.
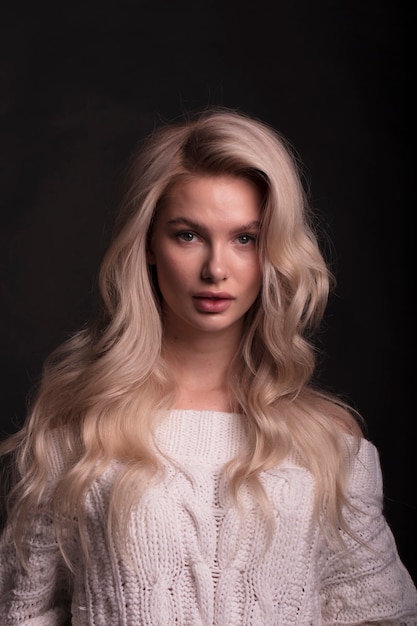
[{"x": 185, "y": 221}]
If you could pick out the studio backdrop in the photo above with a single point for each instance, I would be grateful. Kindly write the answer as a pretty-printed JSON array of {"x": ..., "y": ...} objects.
[{"x": 81, "y": 83}]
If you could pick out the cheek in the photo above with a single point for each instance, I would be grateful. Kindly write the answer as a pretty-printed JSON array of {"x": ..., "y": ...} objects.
[
  {"x": 254, "y": 275},
  {"x": 257, "y": 285},
  {"x": 170, "y": 272}
]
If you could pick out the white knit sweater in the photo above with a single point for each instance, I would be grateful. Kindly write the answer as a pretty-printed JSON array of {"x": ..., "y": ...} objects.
[{"x": 194, "y": 562}]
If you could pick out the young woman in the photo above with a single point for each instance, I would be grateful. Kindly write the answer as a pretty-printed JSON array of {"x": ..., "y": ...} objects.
[{"x": 178, "y": 466}]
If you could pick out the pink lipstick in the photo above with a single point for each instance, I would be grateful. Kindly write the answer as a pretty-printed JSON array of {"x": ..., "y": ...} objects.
[{"x": 212, "y": 302}]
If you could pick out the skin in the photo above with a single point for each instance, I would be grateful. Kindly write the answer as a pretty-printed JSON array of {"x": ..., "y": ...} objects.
[{"x": 203, "y": 244}]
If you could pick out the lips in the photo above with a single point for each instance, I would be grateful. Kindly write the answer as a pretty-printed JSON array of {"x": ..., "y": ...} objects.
[{"x": 212, "y": 302}]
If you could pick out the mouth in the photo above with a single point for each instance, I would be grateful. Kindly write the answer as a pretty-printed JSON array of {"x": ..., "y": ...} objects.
[
  {"x": 214, "y": 295},
  {"x": 211, "y": 302}
]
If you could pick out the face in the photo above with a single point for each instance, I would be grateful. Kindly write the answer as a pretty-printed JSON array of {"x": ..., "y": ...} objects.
[{"x": 204, "y": 247}]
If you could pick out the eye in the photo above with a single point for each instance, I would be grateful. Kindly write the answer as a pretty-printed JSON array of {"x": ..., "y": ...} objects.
[
  {"x": 186, "y": 236},
  {"x": 246, "y": 239}
]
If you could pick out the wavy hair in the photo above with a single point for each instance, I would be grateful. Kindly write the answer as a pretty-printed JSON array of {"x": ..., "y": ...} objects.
[{"x": 101, "y": 391}]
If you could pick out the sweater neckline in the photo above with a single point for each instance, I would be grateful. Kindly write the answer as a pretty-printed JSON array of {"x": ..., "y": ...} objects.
[{"x": 204, "y": 435}]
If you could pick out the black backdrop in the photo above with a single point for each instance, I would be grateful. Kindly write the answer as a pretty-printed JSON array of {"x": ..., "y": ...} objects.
[{"x": 80, "y": 84}]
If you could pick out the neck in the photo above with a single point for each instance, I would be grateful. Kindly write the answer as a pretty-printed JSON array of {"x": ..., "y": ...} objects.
[{"x": 200, "y": 366}]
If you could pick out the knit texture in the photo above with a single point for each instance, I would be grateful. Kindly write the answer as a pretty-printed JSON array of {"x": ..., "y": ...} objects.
[{"x": 195, "y": 561}]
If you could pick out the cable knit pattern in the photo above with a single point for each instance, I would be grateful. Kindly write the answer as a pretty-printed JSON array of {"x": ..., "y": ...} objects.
[{"x": 194, "y": 561}]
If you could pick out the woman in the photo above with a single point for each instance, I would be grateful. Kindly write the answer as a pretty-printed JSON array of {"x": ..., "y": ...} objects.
[{"x": 178, "y": 466}]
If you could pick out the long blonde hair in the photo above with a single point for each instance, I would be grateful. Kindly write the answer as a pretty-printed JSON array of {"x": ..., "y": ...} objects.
[{"x": 101, "y": 390}]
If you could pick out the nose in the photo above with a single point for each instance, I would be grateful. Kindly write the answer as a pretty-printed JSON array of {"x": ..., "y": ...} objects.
[{"x": 215, "y": 264}]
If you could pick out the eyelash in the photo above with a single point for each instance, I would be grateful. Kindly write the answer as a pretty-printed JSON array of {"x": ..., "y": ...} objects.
[
  {"x": 182, "y": 236},
  {"x": 250, "y": 238}
]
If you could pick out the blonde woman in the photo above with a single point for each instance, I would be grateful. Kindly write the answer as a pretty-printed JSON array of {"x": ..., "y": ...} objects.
[{"x": 177, "y": 466}]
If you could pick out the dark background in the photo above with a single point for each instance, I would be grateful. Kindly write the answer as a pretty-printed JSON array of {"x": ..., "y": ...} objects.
[{"x": 81, "y": 84}]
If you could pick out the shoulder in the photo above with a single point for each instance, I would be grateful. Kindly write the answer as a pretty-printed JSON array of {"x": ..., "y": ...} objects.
[{"x": 365, "y": 475}]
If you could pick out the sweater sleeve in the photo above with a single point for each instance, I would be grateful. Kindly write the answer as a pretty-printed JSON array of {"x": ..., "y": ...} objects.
[
  {"x": 371, "y": 585},
  {"x": 40, "y": 595}
]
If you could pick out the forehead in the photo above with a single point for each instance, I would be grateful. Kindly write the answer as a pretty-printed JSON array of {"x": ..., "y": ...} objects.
[{"x": 224, "y": 198}]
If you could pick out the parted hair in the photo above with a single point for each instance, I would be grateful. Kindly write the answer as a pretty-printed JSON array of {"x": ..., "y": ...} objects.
[{"x": 102, "y": 390}]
